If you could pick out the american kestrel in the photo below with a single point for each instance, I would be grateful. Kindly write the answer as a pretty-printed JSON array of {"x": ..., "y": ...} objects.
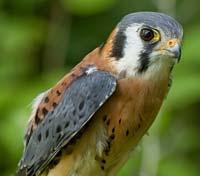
[{"x": 90, "y": 121}]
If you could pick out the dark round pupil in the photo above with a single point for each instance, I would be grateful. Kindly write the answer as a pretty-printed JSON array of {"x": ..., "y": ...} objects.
[{"x": 147, "y": 34}]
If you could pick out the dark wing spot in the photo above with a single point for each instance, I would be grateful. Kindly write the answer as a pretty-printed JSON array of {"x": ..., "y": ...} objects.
[
  {"x": 47, "y": 133},
  {"x": 120, "y": 120},
  {"x": 37, "y": 119},
  {"x": 74, "y": 112},
  {"x": 58, "y": 129},
  {"x": 46, "y": 100},
  {"x": 66, "y": 124},
  {"x": 44, "y": 111},
  {"x": 58, "y": 92},
  {"x": 54, "y": 104},
  {"x": 81, "y": 105},
  {"x": 102, "y": 167},
  {"x": 39, "y": 137}
]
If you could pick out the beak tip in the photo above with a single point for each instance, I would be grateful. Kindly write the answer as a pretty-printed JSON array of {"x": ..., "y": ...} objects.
[{"x": 176, "y": 51}]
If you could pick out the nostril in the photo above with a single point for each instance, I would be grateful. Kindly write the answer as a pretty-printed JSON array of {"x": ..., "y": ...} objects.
[{"x": 172, "y": 43}]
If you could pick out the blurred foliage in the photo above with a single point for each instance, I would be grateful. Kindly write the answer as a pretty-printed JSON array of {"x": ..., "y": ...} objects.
[
  {"x": 87, "y": 7},
  {"x": 42, "y": 39}
]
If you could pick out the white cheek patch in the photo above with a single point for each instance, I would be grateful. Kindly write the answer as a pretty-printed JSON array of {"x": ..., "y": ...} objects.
[
  {"x": 132, "y": 49},
  {"x": 159, "y": 63}
]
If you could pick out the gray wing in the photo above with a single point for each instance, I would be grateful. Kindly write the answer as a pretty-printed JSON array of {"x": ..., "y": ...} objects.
[{"x": 80, "y": 101}]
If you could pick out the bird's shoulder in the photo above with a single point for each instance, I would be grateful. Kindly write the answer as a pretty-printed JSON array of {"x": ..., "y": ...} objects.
[{"x": 46, "y": 102}]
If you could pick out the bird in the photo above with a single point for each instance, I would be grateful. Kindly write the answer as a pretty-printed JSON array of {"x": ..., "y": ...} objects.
[{"x": 93, "y": 118}]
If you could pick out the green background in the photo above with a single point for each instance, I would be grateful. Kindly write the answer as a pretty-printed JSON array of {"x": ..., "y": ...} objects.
[{"x": 40, "y": 40}]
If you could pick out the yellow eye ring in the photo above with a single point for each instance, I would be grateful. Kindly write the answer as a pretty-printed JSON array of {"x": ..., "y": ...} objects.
[{"x": 149, "y": 35}]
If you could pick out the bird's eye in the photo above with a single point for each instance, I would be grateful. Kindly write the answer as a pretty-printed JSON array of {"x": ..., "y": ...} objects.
[{"x": 147, "y": 34}]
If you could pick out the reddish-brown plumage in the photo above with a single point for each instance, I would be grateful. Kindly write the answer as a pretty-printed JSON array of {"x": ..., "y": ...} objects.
[
  {"x": 126, "y": 116},
  {"x": 117, "y": 118},
  {"x": 97, "y": 58}
]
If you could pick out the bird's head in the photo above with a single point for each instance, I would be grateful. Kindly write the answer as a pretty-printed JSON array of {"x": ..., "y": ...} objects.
[{"x": 147, "y": 44}]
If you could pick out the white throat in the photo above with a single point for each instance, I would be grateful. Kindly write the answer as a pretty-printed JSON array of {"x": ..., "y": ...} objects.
[{"x": 130, "y": 61}]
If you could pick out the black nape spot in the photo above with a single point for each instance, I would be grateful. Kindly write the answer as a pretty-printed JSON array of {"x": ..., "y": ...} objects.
[
  {"x": 46, "y": 100},
  {"x": 39, "y": 137},
  {"x": 120, "y": 120},
  {"x": 102, "y": 167},
  {"x": 81, "y": 105},
  {"x": 58, "y": 129},
  {"x": 118, "y": 45},
  {"x": 104, "y": 118},
  {"x": 47, "y": 133},
  {"x": 44, "y": 111},
  {"x": 127, "y": 132},
  {"x": 66, "y": 124}
]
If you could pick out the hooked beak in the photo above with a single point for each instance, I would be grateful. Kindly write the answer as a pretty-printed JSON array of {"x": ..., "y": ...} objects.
[
  {"x": 175, "y": 51},
  {"x": 172, "y": 48}
]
